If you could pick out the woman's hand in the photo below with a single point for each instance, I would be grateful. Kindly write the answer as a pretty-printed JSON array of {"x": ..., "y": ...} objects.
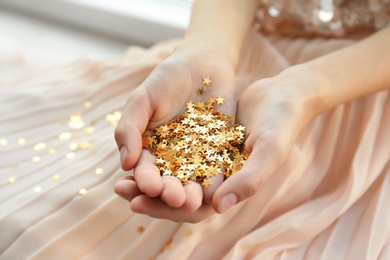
[
  {"x": 160, "y": 98},
  {"x": 274, "y": 112}
]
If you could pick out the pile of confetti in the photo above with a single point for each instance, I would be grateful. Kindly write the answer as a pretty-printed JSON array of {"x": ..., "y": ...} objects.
[{"x": 198, "y": 144}]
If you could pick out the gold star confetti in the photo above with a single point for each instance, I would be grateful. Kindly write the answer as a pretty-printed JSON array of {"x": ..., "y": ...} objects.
[
  {"x": 219, "y": 100},
  {"x": 198, "y": 144},
  {"x": 36, "y": 159},
  {"x": 167, "y": 246},
  {"x": 206, "y": 81},
  {"x": 70, "y": 156},
  {"x": 3, "y": 142},
  {"x": 11, "y": 180},
  {"x": 188, "y": 232},
  {"x": 83, "y": 191},
  {"x": 56, "y": 177},
  {"x": 65, "y": 136},
  {"x": 52, "y": 151},
  {"x": 21, "y": 141},
  {"x": 99, "y": 171},
  {"x": 140, "y": 229},
  {"x": 202, "y": 91},
  {"x": 37, "y": 189},
  {"x": 87, "y": 105}
]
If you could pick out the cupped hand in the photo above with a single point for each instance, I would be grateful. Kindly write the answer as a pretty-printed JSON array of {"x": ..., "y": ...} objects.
[
  {"x": 159, "y": 99},
  {"x": 274, "y": 112}
]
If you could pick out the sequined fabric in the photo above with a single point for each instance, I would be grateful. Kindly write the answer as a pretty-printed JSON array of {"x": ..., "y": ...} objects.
[{"x": 323, "y": 17}]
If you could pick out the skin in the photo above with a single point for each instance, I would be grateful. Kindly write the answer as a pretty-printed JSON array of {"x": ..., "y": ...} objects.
[{"x": 274, "y": 110}]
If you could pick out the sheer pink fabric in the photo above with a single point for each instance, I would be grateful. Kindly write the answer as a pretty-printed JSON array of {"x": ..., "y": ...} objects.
[{"x": 329, "y": 200}]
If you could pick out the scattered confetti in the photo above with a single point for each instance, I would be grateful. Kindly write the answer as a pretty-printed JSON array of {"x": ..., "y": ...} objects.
[
  {"x": 114, "y": 117},
  {"x": 65, "y": 136},
  {"x": 83, "y": 191},
  {"x": 39, "y": 146},
  {"x": 56, "y": 177},
  {"x": 188, "y": 232},
  {"x": 87, "y": 105},
  {"x": 36, "y": 159},
  {"x": 99, "y": 171},
  {"x": 21, "y": 141},
  {"x": 38, "y": 189},
  {"x": 202, "y": 91},
  {"x": 140, "y": 229},
  {"x": 197, "y": 145},
  {"x": 84, "y": 145},
  {"x": 70, "y": 156},
  {"x": 76, "y": 121},
  {"x": 73, "y": 146},
  {"x": 207, "y": 81},
  {"x": 89, "y": 130},
  {"x": 52, "y": 151},
  {"x": 3, "y": 142},
  {"x": 11, "y": 180}
]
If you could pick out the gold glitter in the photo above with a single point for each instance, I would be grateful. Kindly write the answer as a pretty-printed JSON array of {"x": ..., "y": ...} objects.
[
  {"x": 21, "y": 141},
  {"x": 89, "y": 130},
  {"x": 65, "y": 136},
  {"x": 39, "y": 146},
  {"x": 99, "y": 171},
  {"x": 3, "y": 142},
  {"x": 114, "y": 117},
  {"x": 38, "y": 189},
  {"x": 76, "y": 121},
  {"x": 87, "y": 105},
  {"x": 198, "y": 144},
  {"x": 206, "y": 81},
  {"x": 140, "y": 229},
  {"x": 36, "y": 159},
  {"x": 188, "y": 232},
  {"x": 11, "y": 180},
  {"x": 56, "y": 177},
  {"x": 83, "y": 191},
  {"x": 73, "y": 146},
  {"x": 52, "y": 151},
  {"x": 70, "y": 156}
]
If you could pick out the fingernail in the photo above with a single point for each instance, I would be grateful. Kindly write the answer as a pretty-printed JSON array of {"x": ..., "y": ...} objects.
[
  {"x": 227, "y": 202},
  {"x": 123, "y": 153}
]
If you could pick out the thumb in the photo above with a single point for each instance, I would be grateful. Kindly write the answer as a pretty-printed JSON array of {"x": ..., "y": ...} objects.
[
  {"x": 245, "y": 183},
  {"x": 129, "y": 131}
]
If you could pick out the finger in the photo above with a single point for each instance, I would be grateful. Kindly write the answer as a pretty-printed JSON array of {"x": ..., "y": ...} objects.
[
  {"x": 147, "y": 175},
  {"x": 158, "y": 209},
  {"x": 261, "y": 163},
  {"x": 173, "y": 193},
  {"x": 194, "y": 197},
  {"x": 126, "y": 188},
  {"x": 209, "y": 191},
  {"x": 133, "y": 123}
]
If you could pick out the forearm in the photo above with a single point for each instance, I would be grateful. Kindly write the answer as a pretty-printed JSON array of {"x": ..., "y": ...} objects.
[
  {"x": 219, "y": 26},
  {"x": 358, "y": 70}
]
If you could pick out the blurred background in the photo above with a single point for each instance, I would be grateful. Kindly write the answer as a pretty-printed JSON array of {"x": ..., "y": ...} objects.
[{"x": 93, "y": 28}]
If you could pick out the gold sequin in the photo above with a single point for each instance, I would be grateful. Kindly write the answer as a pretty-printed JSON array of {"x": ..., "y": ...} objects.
[
  {"x": 11, "y": 180},
  {"x": 206, "y": 81},
  {"x": 89, "y": 130},
  {"x": 39, "y": 146},
  {"x": 36, "y": 159},
  {"x": 85, "y": 145},
  {"x": 83, "y": 191},
  {"x": 3, "y": 142},
  {"x": 99, "y": 171},
  {"x": 114, "y": 118},
  {"x": 21, "y": 141},
  {"x": 70, "y": 156},
  {"x": 65, "y": 136}
]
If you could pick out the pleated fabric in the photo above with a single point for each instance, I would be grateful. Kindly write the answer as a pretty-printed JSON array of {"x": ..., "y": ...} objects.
[{"x": 59, "y": 163}]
